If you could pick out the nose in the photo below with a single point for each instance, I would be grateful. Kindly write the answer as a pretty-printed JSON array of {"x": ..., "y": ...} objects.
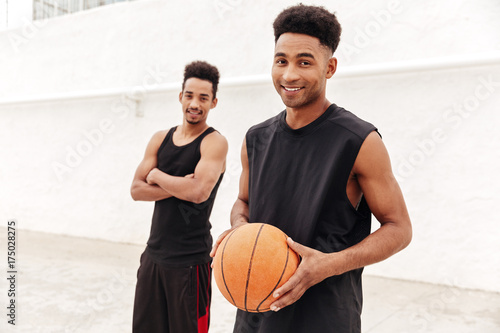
[
  {"x": 194, "y": 104},
  {"x": 290, "y": 73}
]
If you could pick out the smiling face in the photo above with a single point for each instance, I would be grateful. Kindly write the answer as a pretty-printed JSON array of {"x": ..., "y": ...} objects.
[
  {"x": 300, "y": 69},
  {"x": 197, "y": 99}
]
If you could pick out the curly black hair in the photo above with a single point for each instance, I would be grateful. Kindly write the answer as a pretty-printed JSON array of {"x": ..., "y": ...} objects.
[
  {"x": 314, "y": 21},
  {"x": 204, "y": 71}
]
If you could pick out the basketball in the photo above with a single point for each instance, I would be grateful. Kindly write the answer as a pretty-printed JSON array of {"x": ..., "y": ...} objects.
[{"x": 250, "y": 263}]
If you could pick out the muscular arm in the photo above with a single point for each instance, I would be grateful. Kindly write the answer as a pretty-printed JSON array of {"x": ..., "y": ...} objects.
[
  {"x": 140, "y": 189},
  {"x": 198, "y": 187},
  {"x": 383, "y": 195}
]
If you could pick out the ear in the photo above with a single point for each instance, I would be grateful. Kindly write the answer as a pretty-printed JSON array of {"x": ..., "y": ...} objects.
[
  {"x": 331, "y": 67},
  {"x": 180, "y": 97},
  {"x": 214, "y": 103}
]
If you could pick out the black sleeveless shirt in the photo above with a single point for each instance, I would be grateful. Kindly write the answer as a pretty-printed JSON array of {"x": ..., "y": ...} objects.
[
  {"x": 297, "y": 182},
  {"x": 180, "y": 230}
]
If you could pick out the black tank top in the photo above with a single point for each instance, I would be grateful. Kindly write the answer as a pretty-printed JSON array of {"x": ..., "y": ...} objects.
[
  {"x": 180, "y": 230},
  {"x": 297, "y": 182}
]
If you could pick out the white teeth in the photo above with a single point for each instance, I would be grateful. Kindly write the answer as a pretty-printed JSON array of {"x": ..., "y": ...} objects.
[{"x": 291, "y": 89}]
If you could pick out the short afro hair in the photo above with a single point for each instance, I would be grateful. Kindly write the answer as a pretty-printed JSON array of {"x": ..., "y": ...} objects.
[
  {"x": 204, "y": 71},
  {"x": 314, "y": 21}
]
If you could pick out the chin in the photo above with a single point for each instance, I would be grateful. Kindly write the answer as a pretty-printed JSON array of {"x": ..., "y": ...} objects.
[{"x": 292, "y": 103}]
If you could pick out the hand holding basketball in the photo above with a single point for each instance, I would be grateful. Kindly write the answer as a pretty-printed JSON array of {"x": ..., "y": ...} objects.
[
  {"x": 310, "y": 271},
  {"x": 251, "y": 263}
]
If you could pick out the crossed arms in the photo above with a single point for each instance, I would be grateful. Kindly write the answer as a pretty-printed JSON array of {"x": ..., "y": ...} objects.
[{"x": 151, "y": 184}]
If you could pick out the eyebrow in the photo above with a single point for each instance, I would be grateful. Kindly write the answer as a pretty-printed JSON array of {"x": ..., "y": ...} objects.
[
  {"x": 300, "y": 55},
  {"x": 305, "y": 54},
  {"x": 190, "y": 92}
]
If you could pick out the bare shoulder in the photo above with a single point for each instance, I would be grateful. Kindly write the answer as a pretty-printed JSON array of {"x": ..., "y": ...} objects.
[
  {"x": 159, "y": 136},
  {"x": 214, "y": 142},
  {"x": 155, "y": 142},
  {"x": 373, "y": 156}
]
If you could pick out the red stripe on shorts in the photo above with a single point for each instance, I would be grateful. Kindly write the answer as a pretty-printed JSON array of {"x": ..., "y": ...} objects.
[{"x": 202, "y": 321}]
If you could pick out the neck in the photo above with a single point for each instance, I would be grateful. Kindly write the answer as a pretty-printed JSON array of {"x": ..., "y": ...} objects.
[
  {"x": 187, "y": 130},
  {"x": 303, "y": 116}
]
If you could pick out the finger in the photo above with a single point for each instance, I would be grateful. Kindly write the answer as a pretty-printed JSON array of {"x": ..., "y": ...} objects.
[
  {"x": 294, "y": 280},
  {"x": 300, "y": 249},
  {"x": 281, "y": 303},
  {"x": 218, "y": 241},
  {"x": 290, "y": 294},
  {"x": 287, "y": 286}
]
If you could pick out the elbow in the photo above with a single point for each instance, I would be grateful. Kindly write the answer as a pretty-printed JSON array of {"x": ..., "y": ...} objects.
[
  {"x": 407, "y": 237},
  {"x": 410, "y": 235},
  {"x": 198, "y": 199},
  {"x": 200, "y": 196},
  {"x": 134, "y": 192}
]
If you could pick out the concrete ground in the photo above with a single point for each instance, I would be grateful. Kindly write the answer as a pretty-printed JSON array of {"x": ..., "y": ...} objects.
[{"x": 67, "y": 284}]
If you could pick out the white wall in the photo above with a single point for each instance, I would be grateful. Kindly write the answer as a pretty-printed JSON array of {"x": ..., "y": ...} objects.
[
  {"x": 15, "y": 14},
  {"x": 67, "y": 165}
]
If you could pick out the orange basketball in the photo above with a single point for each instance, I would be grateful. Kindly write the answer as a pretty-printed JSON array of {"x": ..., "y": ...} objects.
[{"x": 251, "y": 262}]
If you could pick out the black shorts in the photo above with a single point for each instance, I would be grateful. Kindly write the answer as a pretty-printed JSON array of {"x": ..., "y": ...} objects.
[{"x": 172, "y": 300}]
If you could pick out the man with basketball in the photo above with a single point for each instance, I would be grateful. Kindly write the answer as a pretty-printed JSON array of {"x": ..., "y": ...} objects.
[
  {"x": 181, "y": 170},
  {"x": 317, "y": 172}
]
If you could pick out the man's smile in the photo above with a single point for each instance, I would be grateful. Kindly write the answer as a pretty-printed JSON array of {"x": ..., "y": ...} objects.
[
  {"x": 194, "y": 112},
  {"x": 292, "y": 88}
]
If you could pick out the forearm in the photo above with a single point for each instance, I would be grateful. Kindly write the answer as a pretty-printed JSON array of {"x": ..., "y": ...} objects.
[
  {"x": 142, "y": 191},
  {"x": 239, "y": 213},
  {"x": 184, "y": 188},
  {"x": 389, "y": 239}
]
